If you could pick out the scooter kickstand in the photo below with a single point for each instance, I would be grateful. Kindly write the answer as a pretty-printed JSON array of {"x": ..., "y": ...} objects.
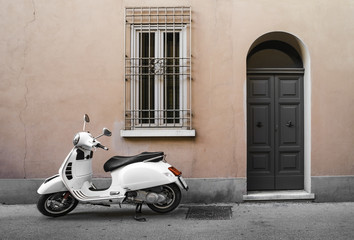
[{"x": 138, "y": 211}]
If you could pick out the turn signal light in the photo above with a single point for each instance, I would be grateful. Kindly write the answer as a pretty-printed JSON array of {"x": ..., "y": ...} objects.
[{"x": 175, "y": 171}]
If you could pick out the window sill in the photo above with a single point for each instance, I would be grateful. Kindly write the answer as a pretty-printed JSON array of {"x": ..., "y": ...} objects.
[{"x": 157, "y": 133}]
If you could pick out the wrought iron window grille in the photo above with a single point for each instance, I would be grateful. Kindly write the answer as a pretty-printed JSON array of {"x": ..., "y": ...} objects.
[{"x": 158, "y": 68}]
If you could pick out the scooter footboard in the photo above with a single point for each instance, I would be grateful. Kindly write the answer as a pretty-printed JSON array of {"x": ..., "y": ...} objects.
[{"x": 52, "y": 185}]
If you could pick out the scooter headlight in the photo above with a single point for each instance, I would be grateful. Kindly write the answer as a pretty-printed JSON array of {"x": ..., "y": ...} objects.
[{"x": 76, "y": 139}]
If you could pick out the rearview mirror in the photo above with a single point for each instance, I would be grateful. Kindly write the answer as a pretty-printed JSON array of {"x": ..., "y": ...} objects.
[
  {"x": 106, "y": 132},
  {"x": 86, "y": 118}
]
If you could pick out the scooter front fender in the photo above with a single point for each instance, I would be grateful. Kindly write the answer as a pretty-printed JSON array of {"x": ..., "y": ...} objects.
[{"x": 52, "y": 185}]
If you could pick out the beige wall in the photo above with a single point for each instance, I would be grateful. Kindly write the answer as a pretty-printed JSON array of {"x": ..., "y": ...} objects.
[{"x": 61, "y": 59}]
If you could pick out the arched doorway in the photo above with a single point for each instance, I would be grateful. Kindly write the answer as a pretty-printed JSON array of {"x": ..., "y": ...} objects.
[{"x": 275, "y": 116}]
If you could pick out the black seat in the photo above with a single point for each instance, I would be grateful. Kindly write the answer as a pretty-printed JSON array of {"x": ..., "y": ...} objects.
[{"x": 120, "y": 161}]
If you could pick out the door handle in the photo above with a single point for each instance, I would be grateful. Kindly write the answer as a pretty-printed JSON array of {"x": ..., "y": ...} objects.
[
  {"x": 289, "y": 124},
  {"x": 259, "y": 124}
]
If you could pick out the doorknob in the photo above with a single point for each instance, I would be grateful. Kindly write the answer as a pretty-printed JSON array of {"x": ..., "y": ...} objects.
[
  {"x": 289, "y": 124},
  {"x": 259, "y": 124}
]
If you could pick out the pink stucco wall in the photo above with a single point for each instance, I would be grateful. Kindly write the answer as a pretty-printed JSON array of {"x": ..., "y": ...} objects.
[{"x": 61, "y": 59}]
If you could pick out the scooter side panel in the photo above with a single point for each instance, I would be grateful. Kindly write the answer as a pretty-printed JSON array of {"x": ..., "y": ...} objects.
[
  {"x": 75, "y": 172},
  {"x": 142, "y": 175},
  {"x": 52, "y": 186}
]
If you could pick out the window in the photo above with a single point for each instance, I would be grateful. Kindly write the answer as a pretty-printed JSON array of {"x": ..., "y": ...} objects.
[{"x": 158, "y": 70}]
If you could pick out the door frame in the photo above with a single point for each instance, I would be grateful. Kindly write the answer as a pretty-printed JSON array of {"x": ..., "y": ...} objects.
[
  {"x": 306, "y": 119},
  {"x": 304, "y": 52}
]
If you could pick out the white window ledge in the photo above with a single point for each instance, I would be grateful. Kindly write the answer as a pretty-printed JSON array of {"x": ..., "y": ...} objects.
[{"x": 158, "y": 133}]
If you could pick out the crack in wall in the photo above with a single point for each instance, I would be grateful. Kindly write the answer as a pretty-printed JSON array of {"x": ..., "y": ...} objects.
[
  {"x": 24, "y": 127},
  {"x": 24, "y": 109}
]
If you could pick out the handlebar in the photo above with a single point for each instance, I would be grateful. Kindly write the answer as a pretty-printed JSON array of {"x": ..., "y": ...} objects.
[{"x": 99, "y": 145}]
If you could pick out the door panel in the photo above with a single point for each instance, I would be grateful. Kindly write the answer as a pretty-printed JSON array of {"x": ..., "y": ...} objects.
[
  {"x": 289, "y": 115},
  {"x": 260, "y": 132},
  {"x": 259, "y": 88},
  {"x": 289, "y": 161},
  {"x": 289, "y": 143},
  {"x": 260, "y": 162},
  {"x": 275, "y": 132},
  {"x": 289, "y": 88},
  {"x": 260, "y": 124}
]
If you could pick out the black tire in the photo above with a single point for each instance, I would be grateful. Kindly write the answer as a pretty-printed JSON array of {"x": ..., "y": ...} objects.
[
  {"x": 52, "y": 205},
  {"x": 173, "y": 199}
]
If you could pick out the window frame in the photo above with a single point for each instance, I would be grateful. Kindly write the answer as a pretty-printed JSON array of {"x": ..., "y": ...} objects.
[
  {"x": 173, "y": 104},
  {"x": 159, "y": 83}
]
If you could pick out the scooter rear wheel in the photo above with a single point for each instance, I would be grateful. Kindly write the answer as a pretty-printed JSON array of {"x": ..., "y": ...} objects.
[
  {"x": 54, "y": 204},
  {"x": 174, "y": 196}
]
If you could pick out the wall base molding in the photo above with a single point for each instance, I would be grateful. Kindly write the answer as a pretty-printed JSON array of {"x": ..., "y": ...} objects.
[{"x": 201, "y": 190}]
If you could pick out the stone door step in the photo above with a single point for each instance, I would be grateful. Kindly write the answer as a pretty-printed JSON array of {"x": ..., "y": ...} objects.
[{"x": 278, "y": 195}]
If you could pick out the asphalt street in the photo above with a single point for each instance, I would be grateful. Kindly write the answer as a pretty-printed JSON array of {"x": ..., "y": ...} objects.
[{"x": 287, "y": 220}]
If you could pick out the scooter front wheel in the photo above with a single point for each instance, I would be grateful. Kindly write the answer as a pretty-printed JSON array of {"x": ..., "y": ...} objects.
[
  {"x": 56, "y": 204},
  {"x": 173, "y": 198}
]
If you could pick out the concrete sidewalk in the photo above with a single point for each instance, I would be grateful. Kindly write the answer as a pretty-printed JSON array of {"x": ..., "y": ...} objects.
[{"x": 286, "y": 220}]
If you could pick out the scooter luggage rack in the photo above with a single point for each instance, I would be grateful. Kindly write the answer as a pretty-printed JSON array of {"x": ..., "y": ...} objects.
[
  {"x": 159, "y": 155},
  {"x": 155, "y": 158}
]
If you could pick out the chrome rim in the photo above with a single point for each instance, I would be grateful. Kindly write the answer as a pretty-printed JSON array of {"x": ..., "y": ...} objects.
[
  {"x": 170, "y": 198},
  {"x": 55, "y": 204}
]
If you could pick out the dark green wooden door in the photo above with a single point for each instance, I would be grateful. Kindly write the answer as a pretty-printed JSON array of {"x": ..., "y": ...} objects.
[{"x": 275, "y": 126}]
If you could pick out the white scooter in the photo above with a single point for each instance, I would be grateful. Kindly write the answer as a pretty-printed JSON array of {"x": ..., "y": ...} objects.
[{"x": 144, "y": 178}]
